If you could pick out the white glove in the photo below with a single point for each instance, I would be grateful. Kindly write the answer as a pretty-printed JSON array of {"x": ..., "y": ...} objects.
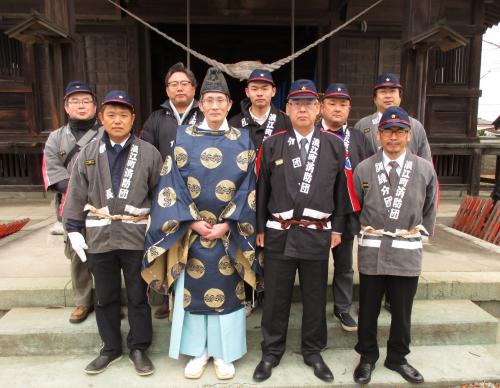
[{"x": 78, "y": 244}]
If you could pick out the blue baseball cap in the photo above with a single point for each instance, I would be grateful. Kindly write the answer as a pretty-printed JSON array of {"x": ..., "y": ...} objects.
[
  {"x": 261, "y": 75},
  {"x": 337, "y": 90},
  {"x": 118, "y": 97},
  {"x": 77, "y": 87},
  {"x": 302, "y": 88},
  {"x": 394, "y": 116},
  {"x": 387, "y": 80}
]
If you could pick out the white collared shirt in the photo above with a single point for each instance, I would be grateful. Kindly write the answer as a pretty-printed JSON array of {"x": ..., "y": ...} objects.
[
  {"x": 223, "y": 127},
  {"x": 377, "y": 119},
  {"x": 400, "y": 161},
  {"x": 260, "y": 120},
  {"x": 308, "y": 137},
  {"x": 122, "y": 143},
  {"x": 323, "y": 124},
  {"x": 176, "y": 114}
]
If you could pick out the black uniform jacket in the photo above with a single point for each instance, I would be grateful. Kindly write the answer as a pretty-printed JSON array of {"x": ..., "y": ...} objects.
[
  {"x": 279, "y": 193},
  {"x": 161, "y": 126},
  {"x": 358, "y": 149},
  {"x": 257, "y": 131}
]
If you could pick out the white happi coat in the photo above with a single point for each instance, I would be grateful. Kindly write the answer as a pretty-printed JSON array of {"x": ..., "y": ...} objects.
[{"x": 385, "y": 246}]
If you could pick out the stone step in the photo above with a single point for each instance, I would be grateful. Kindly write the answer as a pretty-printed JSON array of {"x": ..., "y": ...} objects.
[
  {"x": 40, "y": 331},
  {"x": 56, "y": 291},
  {"x": 441, "y": 366}
]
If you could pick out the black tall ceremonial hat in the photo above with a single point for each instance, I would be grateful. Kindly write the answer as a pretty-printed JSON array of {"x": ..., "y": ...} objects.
[{"x": 214, "y": 82}]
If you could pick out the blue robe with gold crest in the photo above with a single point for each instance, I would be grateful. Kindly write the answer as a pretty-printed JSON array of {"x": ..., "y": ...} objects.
[{"x": 210, "y": 177}]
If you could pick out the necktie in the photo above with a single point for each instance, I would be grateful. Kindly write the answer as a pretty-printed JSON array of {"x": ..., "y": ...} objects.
[
  {"x": 393, "y": 174},
  {"x": 117, "y": 148},
  {"x": 303, "y": 151}
]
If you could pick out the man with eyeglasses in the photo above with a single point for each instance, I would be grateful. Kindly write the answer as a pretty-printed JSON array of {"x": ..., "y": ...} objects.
[
  {"x": 59, "y": 155},
  {"x": 201, "y": 240},
  {"x": 335, "y": 108},
  {"x": 397, "y": 191},
  {"x": 301, "y": 202},
  {"x": 180, "y": 108}
]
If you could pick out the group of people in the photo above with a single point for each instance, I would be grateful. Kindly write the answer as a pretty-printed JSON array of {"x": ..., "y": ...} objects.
[{"x": 210, "y": 212}]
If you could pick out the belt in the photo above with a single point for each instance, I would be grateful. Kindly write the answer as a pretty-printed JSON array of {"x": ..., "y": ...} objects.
[
  {"x": 115, "y": 217},
  {"x": 410, "y": 233},
  {"x": 285, "y": 224}
]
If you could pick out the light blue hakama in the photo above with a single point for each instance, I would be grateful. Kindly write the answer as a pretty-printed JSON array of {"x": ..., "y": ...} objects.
[{"x": 223, "y": 335}]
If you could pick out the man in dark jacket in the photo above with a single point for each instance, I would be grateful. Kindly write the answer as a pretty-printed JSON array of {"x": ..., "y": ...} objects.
[
  {"x": 335, "y": 109},
  {"x": 258, "y": 114},
  {"x": 262, "y": 119},
  {"x": 180, "y": 108}
]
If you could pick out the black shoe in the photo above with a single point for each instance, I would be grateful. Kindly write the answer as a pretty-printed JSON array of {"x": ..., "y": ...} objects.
[
  {"x": 363, "y": 372},
  {"x": 264, "y": 369},
  {"x": 321, "y": 370},
  {"x": 142, "y": 363},
  {"x": 346, "y": 321},
  {"x": 407, "y": 372},
  {"x": 99, "y": 364}
]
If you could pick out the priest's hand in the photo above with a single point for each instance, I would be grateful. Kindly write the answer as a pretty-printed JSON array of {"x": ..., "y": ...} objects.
[
  {"x": 336, "y": 240},
  {"x": 78, "y": 244},
  {"x": 217, "y": 231},
  {"x": 260, "y": 240},
  {"x": 203, "y": 228}
]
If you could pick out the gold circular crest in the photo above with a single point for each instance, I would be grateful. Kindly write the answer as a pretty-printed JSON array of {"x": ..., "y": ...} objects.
[
  {"x": 251, "y": 200},
  {"x": 167, "y": 166},
  {"x": 240, "y": 290},
  {"x": 228, "y": 211},
  {"x": 155, "y": 251},
  {"x": 170, "y": 226},
  {"x": 240, "y": 269},
  {"x": 211, "y": 157},
  {"x": 190, "y": 131},
  {"x": 245, "y": 229},
  {"x": 261, "y": 259},
  {"x": 187, "y": 298},
  {"x": 194, "y": 187},
  {"x": 250, "y": 256},
  {"x": 225, "y": 266},
  {"x": 225, "y": 190},
  {"x": 167, "y": 197},
  {"x": 214, "y": 298},
  {"x": 193, "y": 210},
  {"x": 181, "y": 156},
  {"x": 209, "y": 217},
  {"x": 244, "y": 158},
  {"x": 208, "y": 244},
  {"x": 195, "y": 268},
  {"x": 233, "y": 133}
]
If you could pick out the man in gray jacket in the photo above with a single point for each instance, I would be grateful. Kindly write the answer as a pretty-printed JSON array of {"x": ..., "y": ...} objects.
[
  {"x": 393, "y": 218},
  {"x": 388, "y": 92}
]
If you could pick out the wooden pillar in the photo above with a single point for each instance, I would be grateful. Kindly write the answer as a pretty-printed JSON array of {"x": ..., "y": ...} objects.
[{"x": 416, "y": 19}]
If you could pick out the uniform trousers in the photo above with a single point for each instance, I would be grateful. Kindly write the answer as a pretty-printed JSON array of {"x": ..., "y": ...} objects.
[
  {"x": 401, "y": 290},
  {"x": 106, "y": 268},
  {"x": 342, "y": 276},
  {"x": 81, "y": 278},
  {"x": 279, "y": 279}
]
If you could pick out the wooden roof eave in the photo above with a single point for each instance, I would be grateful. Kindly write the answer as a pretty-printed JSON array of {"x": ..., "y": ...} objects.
[
  {"x": 36, "y": 28},
  {"x": 439, "y": 35}
]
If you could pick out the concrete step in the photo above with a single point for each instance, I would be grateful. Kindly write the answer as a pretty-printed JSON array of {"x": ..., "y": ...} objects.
[
  {"x": 56, "y": 291},
  {"x": 39, "y": 331},
  {"x": 441, "y": 366}
]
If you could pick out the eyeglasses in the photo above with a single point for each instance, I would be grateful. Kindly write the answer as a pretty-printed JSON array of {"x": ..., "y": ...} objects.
[
  {"x": 214, "y": 101},
  {"x": 388, "y": 132},
  {"x": 175, "y": 84},
  {"x": 298, "y": 105},
  {"x": 76, "y": 102}
]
